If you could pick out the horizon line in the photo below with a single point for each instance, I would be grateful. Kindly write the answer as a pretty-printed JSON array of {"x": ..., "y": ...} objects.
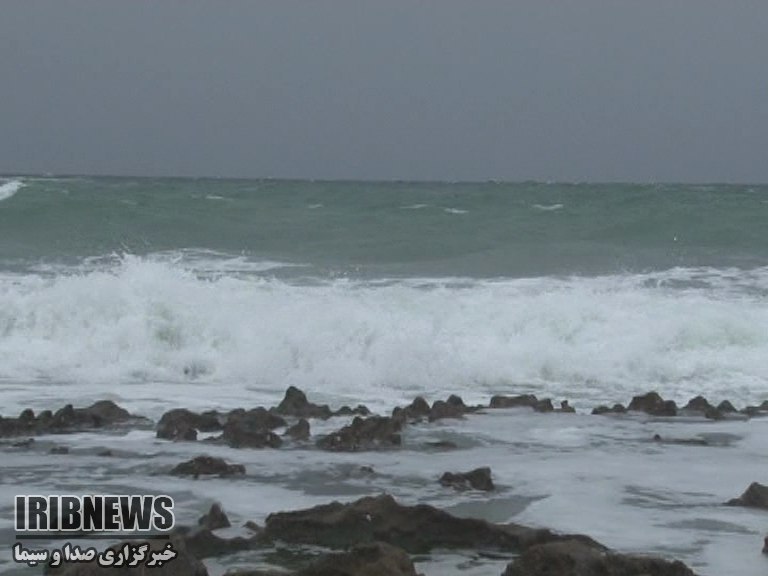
[{"x": 62, "y": 175}]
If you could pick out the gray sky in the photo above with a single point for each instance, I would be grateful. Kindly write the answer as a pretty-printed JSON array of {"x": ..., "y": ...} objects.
[{"x": 577, "y": 90}]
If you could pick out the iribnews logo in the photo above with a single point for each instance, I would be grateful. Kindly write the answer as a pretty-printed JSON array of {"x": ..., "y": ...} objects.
[{"x": 92, "y": 514}]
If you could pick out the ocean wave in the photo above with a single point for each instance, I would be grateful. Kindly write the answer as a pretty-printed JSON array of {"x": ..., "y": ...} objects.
[
  {"x": 547, "y": 207},
  {"x": 10, "y": 188},
  {"x": 684, "y": 332}
]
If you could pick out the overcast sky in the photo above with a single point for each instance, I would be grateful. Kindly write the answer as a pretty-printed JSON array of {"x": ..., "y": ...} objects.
[{"x": 578, "y": 90}]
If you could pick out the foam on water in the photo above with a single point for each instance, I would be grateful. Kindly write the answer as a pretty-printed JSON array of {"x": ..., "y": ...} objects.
[
  {"x": 8, "y": 189},
  {"x": 145, "y": 320}
]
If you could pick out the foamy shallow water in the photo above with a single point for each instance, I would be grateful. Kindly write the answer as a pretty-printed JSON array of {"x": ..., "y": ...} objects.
[{"x": 601, "y": 476}]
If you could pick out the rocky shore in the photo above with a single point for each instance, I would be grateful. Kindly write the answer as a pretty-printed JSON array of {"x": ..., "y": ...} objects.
[{"x": 375, "y": 534}]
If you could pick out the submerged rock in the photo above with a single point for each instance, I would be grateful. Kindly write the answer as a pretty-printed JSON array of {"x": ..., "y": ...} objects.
[
  {"x": 477, "y": 479},
  {"x": 755, "y": 496},
  {"x": 374, "y": 432},
  {"x": 375, "y": 559},
  {"x": 576, "y": 558},
  {"x": 208, "y": 465}
]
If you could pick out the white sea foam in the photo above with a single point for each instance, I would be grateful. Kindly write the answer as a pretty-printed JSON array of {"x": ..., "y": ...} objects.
[
  {"x": 414, "y": 207},
  {"x": 455, "y": 211},
  {"x": 8, "y": 189},
  {"x": 548, "y": 207},
  {"x": 588, "y": 339}
]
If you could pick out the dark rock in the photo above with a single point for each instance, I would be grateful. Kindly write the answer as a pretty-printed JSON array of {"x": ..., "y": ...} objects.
[
  {"x": 67, "y": 419},
  {"x": 566, "y": 408},
  {"x": 208, "y": 465},
  {"x": 653, "y": 404},
  {"x": 442, "y": 445},
  {"x": 478, "y": 479},
  {"x": 105, "y": 453},
  {"x": 295, "y": 403},
  {"x": 577, "y": 558},
  {"x": 374, "y": 559},
  {"x": 60, "y": 450},
  {"x": 358, "y": 410},
  {"x": 765, "y": 545},
  {"x": 756, "y": 496},
  {"x": 374, "y": 432},
  {"x": 26, "y": 443},
  {"x": 214, "y": 519},
  {"x": 725, "y": 407},
  {"x": 414, "y": 528},
  {"x": 299, "y": 431},
  {"x": 681, "y": 441},
  {"x": 183, "y": 424},
  {"x": 184, "y": 564},
  {"x": 616, "y": 409},
  {"x": 760, "y": 410},
  {"x": 700, "y": 405},
  {"x": 442, "y": 409},
  {"x": 252, "y": 429},
  {"x": 522, "y": 401}
]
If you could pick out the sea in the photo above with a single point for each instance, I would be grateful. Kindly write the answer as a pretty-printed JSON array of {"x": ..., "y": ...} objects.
[{"x": 214, "y": 294}]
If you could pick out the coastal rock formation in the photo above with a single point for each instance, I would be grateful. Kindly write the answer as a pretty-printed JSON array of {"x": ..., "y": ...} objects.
[
  {"x": 615, "y": 409},
  {"x": 99, "y": 415},
  {"x": 374, "y": 432},
  {"x": 208, "y": 465},
  {"x": 755, "y": 496},
  {"x": 299, "y": 431},
  {"x": 477, "y": 479},
  {"x": 653, "y": 404},
  {"x": 523, "y": 400},
  {"x": 295, "y": 403},
  {"x": 183, "y": 424},
  {"x": 214, "y": 519},
  {"x": 575, "y": 558},
  {"x": 416, "y": 529},
  {"x": 453, "y": 407},
  {"x": 252, "y": 429}
]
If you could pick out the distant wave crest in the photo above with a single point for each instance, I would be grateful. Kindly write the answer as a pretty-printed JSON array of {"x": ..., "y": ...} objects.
[{"x": 10, "y": 188}]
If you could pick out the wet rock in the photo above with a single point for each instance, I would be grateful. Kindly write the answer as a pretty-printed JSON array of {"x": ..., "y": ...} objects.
[
  {"x": 214, "y": 519},
  {"x": 566, "y": 408},
  {"x": 522, "y": 401},
  {"x": 615, "y": 409},
  {"x": 252, "y": 429},
  {"x": 454, "y": 407},
  {"x": 653, "y": 404},
  {"x": 681, "y": 441},
  {"x": 416, "y": 410},
  {"x": 414, "y": 528},
  {"x": 208, "y": 465},
  {"x": 374, "y": 559},
  {"x": 358, "y": 410},
  {"x": 295, "y": 403},
  {"x": 725, "y": 407},
  {"x": 442, "y": 445},
  {"x": 184, "y": 564},
  {"x": 477, "y": 479},
  {"x": 59, "y": 450},
  {"x": 299, "y": 431},
  {"x": 102, "y": 414},
  {"x": 577, "y": 558},
  {"x": 760, "y": 410},
  {"x": 756, "y": 496},
  {"x": 765, "y": 545},
  {"x": 374, "y": 432},
  {"x": 105, "y": 453},
  {"x": 700, "y": 405},
  {"x": 183, "y": 424}
]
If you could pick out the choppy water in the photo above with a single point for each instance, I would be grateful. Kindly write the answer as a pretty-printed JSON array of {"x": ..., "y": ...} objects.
[{"x": 216, "y": 294}]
